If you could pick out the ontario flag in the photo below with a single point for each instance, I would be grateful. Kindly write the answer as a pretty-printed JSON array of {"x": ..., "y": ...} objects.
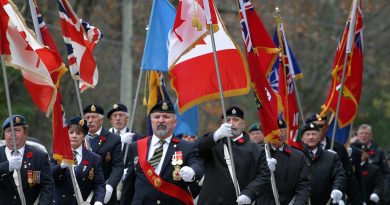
[
  {"x": 191, "y": 62},
  {"x": 261, "y": 54},
  {"x": 62, "y": 150},
  {"x": 281, "y": 78},
  {"x": 80, "y": 39},
  {"x": 23, "y": 51},
  {"x": 350, "y": 44}
]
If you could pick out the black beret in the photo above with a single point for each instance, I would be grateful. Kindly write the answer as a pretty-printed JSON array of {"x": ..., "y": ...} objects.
[
  {"x": 255, "y": 126},
  {"x": 163, "y": 106},
  {"x": 116, "y": 107},
  {"x": 93, "y": 109},
  {"x": 80, "y": 122},
  {"x": 315, "y": 117},
  {"x": 281, "y": 123},
  {"x": 309, "y": 126},
  {"x": 234, "y": 112},
  {"x": 18, "y": 120}
]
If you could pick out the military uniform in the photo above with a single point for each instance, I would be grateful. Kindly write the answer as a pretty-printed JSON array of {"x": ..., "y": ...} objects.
[
  {"x": 89, "y": 177},
  {"x": 292, "y": 177},
  {"x": 108, "y": 146},
  {"x": 35, "y": 174},
  {"x": 327, "y": 174},
  {"x": 251, "y": 170},
  {"x": 138, "y": 189}
]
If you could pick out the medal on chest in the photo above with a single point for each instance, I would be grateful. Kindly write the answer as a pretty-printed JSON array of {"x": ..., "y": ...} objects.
[{"x": 177, "y": 161}]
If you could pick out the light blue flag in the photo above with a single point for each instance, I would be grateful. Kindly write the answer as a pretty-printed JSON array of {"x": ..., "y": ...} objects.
[
  {"x": 161, "y": 22},
  {"x": 187, "y": 122}
]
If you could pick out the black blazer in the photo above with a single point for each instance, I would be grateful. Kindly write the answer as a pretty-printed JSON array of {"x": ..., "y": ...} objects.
[
  {"x": 138, "y": 190},
  {"x": 89, "y": 177},
  {"x": 35, "y": 160}
]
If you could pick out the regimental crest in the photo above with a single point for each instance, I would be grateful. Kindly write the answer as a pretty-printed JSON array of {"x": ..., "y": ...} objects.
[
  {"x": 115, "y": 106},
  {"x": 280, "y": 122},
  {"x": 93, "y": 108},
  {"x": 164, "y": 106},
  {"x": 234, "y": 111},
  {"x": 17, "y": 120},
  {"x": 311, "y": 125},
  {"x": 258, "y": 103}
]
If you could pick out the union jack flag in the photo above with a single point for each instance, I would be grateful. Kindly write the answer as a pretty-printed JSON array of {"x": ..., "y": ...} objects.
[{"x": 80, "y": 39}]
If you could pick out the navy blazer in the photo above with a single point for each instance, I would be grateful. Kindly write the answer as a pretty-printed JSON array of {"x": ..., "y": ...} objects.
[
  {"x": 35, "y": 160},
  {"x": 138, "y": 190},
  {"x": 89, "y": 177}
]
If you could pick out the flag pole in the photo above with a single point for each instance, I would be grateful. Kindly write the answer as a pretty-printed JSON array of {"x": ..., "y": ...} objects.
[
  {"x": 351, "y": 34},
  {"x": 9, "y": 106},
  {"x": 273, "y": 183},
  {"x": 229, "y": 144},
  {"x": 131, "y": 122}
]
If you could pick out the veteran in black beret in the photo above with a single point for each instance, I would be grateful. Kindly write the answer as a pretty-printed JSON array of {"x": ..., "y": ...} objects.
[
  {"x": 37, "y": 181},
  {"x": 108, "y": 146},
  {"x": 326, "y": 170},
  {"x": 249, "y": 159},
  {"x": 162, "y": 166},
  {"x": 87, "y": 169},
  {"x": 291, "y": 171},
  {"x": 352, "y": 189}
]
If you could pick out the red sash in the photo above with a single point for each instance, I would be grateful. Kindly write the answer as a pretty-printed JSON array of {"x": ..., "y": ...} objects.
[{"x": 158, "y": 183}]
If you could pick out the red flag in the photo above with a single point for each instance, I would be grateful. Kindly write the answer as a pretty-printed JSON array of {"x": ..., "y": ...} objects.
[
  {"x": 62, "y": 150},
  {"x": 193, "y": 75},
  {"x": 24, "y": 52},
  {"x": 354, "y": 73},
  {"x": 80, "y": 39},
  {"x": 261, "y": 54}
]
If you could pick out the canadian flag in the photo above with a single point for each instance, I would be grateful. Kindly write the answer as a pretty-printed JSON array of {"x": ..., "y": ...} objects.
[
  {"x": 23, "y": 51},
  {"x": 193, "y": 74}
]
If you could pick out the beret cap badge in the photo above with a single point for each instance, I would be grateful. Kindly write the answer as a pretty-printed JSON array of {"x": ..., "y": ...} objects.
[
  {"x": 115, "y": 106},
  {"x": 93, "y": 108},
  {"x": 81, "y": 122},
  {"x": 164, "y": 106},
  {"x": 311, "y": 125},
  {"x": 17, "y": 120},
  {"x": 280, "y": 122},
  {"x": 234, "y": 111}
]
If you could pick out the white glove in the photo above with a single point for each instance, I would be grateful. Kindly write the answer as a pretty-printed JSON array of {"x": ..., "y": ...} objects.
[
  {"x": 336, "y": 196},
  {"x": 127, "y": 138},
  {"x": 243, "y": 199},
  {"x": 107, "y": 197},
  {"x": 374, "y": 197},
  {"x": 224, "y": 131},
  {"x": 187, "y": 174},
  {"x": 124, "y": 174},
  {"x": 15, "y": 162},
  {"x": 98, "y": 203},
  {"x": 65, "y": 165},
  {"x": 271, "y": 162},
  {"x": 341, "y": 202}
]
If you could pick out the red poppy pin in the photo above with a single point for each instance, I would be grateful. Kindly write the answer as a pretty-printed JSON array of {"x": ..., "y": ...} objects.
[
  {"x": 287, "y": 150},
  {"x": 240, "y": 140},
  {"x": 29, "y": 155},
  {"x": 101, "y": 140},
  {"x": 175, "y": 140},
  {"x": 365, "y": 173},
  {"x": 85, "y": 162},
  {"x": 371, "y": 152}
]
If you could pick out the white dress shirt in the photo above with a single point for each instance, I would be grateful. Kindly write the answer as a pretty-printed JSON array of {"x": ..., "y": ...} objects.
[{"x": 154, "y": 144}]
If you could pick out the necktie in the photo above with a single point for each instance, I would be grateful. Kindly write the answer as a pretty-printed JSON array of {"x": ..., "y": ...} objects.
[
  {"x": 158, "y": 152},
  {"x": 93, "y": 140},
  {"x": 75, "y": 162},
  {"x": 118, "y": 133},
  {"x": 311, "y": 153}
]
